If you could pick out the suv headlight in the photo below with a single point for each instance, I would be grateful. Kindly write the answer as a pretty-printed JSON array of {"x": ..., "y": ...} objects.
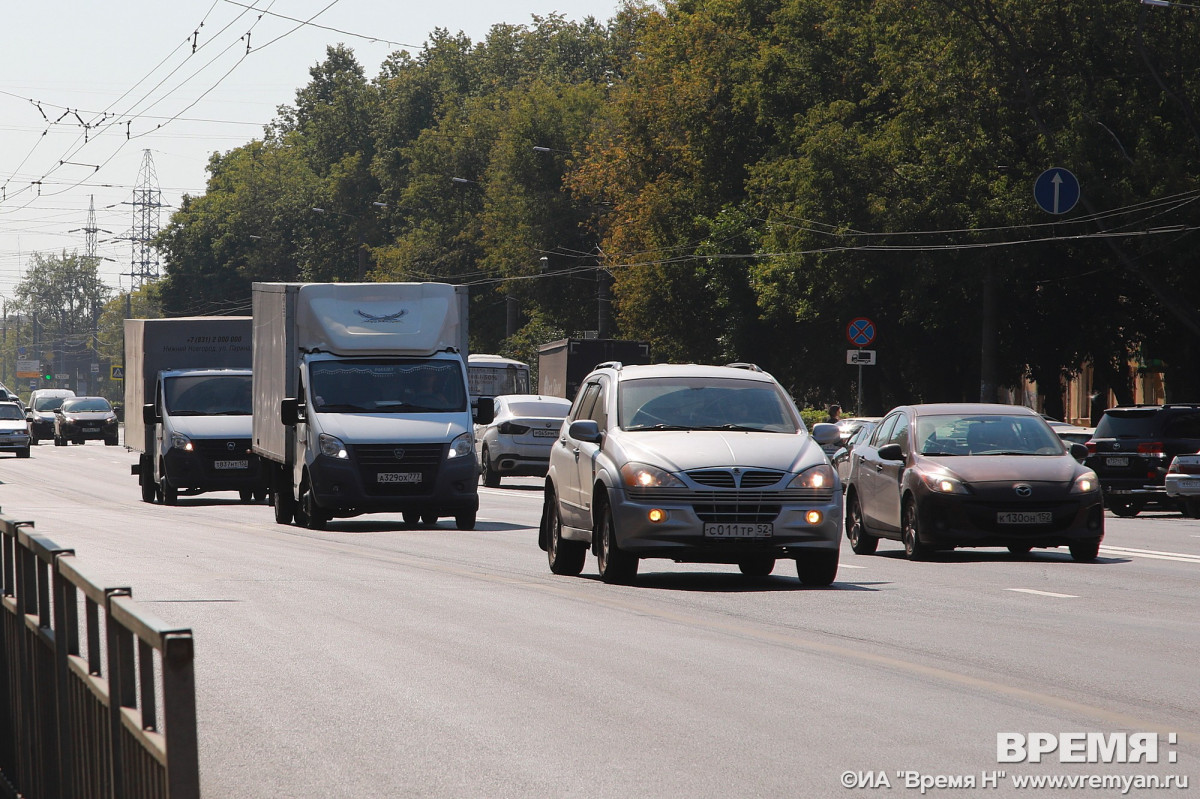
[
  {"x": 462, "y": 445},
  {"x": 817, "y": 478},
  {"x": 1085, "y": 483},
  {"x": 180, "y": 441},
  {"x": 331, "y": 446},
  {"x": 643, "y": 475}
]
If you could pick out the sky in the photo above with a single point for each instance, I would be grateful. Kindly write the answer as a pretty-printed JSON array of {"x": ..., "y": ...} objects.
[{"x": 100, "y": 101}]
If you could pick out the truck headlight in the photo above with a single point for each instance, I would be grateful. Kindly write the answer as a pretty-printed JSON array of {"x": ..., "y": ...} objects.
[
  {"x": 332, "y": 446},
  {"x": 180, "y": 441},
  {"x": 463, "y": 445}
]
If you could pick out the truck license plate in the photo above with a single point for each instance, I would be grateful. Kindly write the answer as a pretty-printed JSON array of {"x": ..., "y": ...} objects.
[
  {"x": 91, "y": 429},
  {"x": 738, "y": 530},
  {"x": 399, "y": 477},
  {"x": 231, "y": 464},
  {"x": 1024, "y": 517}
]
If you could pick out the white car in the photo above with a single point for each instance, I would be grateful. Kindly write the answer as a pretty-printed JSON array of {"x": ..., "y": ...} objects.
[
  {"x": 517, "y": 442},
  {"x": 1182, "y": 482},
  {"x": 14, "y": 434}
]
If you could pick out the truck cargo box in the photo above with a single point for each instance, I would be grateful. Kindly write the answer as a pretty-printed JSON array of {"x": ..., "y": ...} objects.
[
  {"x": 563, "y": 364},
  {"x": 186, "y": 342}
]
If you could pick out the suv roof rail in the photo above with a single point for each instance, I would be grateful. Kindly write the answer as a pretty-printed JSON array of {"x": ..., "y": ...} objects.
[
  {"x": 753, "y": 367},
  {"x": 608, "y": 365}
]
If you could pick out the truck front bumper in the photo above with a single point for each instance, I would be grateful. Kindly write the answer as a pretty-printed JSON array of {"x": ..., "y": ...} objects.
[{"x": 439, "y": 485}]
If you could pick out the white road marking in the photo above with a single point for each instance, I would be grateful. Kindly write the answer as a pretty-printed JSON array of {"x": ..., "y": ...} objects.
[
  {"x": 1042, "y": 593},
  {"x": 1151, "y": 553}
]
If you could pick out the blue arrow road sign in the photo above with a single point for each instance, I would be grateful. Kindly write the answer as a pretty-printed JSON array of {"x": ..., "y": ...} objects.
[{"x": 1056, "y": 190}]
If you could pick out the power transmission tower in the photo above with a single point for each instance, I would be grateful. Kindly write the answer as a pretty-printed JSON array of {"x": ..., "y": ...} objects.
[{"x": 147, "y": 200}]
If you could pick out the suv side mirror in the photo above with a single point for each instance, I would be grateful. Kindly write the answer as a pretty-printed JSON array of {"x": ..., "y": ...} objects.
[{"x": 585, "y": 430}]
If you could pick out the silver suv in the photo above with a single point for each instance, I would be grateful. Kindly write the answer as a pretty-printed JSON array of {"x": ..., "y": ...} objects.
[{"x": 697, "y": 464}]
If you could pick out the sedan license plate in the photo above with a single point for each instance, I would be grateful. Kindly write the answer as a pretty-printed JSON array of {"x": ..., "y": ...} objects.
[
  {"x": 1116, "y": 461},
  {"x": 738, "y": 530},
  {"x": 1024, "y": 517},
  {"x": 544, "y": 433},
  {"x": 231, "y": 464},
  {"x": 1188, "y": 484},
  {"x": 92, "y": 429},
  {"x": 398, "y": 477}
]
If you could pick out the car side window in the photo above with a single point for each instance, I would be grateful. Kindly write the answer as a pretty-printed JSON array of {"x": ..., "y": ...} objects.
[
  {"x": 1185, "y": 425},
  {"x": 599, "y": 409},
  {"x": 585, "y": 402},
  {"x": 883, "y": 431},
  {"x": 899, "y": 433}
]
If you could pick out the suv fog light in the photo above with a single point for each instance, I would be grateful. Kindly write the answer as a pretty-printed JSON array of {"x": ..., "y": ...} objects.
[
  {"x": 814, "y": 517},
  {"x": 657, "y": 515}
]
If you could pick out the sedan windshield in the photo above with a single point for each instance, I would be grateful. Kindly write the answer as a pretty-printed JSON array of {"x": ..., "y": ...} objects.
[
  {"x": 86, "y": 405},
  {"x": 10, "y": 412},
  {"x": 986, "y": 435},
  {"x": 702, "y": 403}
]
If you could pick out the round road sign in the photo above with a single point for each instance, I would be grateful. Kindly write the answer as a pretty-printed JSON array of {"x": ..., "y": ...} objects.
[{"x": 860, "y": 332}]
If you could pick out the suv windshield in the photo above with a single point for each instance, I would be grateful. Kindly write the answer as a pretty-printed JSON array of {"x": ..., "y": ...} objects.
[{"x": 702, "y": 403}]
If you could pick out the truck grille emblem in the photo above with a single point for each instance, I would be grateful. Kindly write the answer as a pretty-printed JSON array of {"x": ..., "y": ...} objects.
[
  {"x": 229, "y": 445},
  {"x": 398, "y": 454}
]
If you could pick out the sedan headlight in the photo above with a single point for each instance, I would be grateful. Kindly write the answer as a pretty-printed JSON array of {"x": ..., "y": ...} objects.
[
  {"x": 180, "y": 441},
  {"x": 463, "y": 445},
  {"x": 1085, "y": 483},
  {"x": 817, "y": 478},
  {"x": 643, "y": 475},
  {"x": 331, "y": 446},
  {"x": 941, "y": 482}
]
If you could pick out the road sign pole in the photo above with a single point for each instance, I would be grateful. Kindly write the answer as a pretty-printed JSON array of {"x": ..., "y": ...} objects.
[{"x": 858, "y": 405}]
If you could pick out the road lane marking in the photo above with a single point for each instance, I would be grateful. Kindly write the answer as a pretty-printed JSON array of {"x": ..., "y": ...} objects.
[
  {"x": 1181, "y": 557},
  {"x": 1042, "y": 593}
]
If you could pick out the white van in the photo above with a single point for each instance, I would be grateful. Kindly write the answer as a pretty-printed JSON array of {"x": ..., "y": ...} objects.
[{"x": 43, "y": 402}]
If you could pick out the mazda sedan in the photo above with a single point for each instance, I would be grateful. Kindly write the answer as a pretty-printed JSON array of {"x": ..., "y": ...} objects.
[{"x": 940, "y": 476}]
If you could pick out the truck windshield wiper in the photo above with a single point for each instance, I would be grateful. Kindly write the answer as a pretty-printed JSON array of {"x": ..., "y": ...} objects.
[{"x": 340, "y": 408}]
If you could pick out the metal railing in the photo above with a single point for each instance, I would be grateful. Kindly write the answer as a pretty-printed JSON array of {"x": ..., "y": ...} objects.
[{"x": 80, "y": 692}]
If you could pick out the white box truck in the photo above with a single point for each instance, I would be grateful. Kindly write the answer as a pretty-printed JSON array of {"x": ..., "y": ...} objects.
[
  {"x": 361, "y": 401},
  {"x": 187, "y": 407}
]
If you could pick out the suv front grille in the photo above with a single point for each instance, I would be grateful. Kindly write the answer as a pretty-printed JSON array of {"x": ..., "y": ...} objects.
[{"x": 730, "y": 478}]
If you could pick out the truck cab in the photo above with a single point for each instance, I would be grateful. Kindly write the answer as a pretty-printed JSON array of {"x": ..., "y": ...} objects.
[{"x": 202, "y": 420}]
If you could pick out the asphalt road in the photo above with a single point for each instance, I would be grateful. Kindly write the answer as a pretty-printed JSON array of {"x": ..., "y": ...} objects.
[{"x": 373, "y": 661}]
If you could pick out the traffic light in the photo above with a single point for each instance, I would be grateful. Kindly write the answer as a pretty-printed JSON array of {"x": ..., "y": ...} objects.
[{"x": 48, "y": 376}]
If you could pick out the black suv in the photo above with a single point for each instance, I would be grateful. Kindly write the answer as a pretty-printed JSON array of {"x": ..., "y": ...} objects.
[{"x": 1132, "y": 448}]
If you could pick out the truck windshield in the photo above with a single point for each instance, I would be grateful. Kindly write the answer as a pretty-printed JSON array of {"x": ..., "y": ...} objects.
[
  {"x": 384, "y": 386},
  {"x": 207, "y": 395}
]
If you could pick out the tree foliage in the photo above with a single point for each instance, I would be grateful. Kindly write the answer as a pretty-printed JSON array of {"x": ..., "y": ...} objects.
[{"x": 750, "y": 175}]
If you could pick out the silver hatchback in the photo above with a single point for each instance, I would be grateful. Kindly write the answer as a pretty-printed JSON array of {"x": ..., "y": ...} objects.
[{"x": 697, "y": 464}]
